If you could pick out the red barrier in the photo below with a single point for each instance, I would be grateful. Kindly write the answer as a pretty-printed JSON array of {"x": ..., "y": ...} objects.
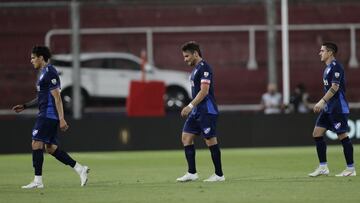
[{"x": 146, "y": 99}]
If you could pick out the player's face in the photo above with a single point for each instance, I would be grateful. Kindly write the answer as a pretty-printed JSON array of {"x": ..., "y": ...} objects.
[
  {"x": 36, "y": 61},
  {"x": 189, "y": 58},
  {"x": 324, "y": 54}
]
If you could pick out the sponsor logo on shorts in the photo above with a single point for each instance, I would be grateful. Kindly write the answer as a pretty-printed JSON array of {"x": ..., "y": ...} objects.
[
  {"x": 207, "y": 130},
  {"x": 35, "y": 132},
  {"x": 337, "y": 125}
]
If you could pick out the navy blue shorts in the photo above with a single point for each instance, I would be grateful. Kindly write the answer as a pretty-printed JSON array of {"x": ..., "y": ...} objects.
[
  {"x": 201, "y": 124},
  {"x": 46, "y": 130},
  {"x": 336, "y": 122}
]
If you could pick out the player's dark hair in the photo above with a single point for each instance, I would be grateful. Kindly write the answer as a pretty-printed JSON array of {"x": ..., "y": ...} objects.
[
  {"x": 43, "y": 51},
  {"x": 331, "y": 47},
  {"x": 191, "y": 47}
]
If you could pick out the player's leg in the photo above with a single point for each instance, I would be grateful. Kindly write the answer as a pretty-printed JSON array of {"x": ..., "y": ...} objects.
[
  {"x": 187, "y": 138},
  {"x": 52, "y": 148},
  {"x": 216, "y": 158},
  {"x": 318, "y": 135},
  {"x": 189, "y": 149},
  {"x": 349, "y": 156},
  {"x": 37, "y": 145},
  {"x": 37, "y": 159},
  {"x": 60, "y": 155},
  {"x": 341, "y": 128},
  {"x": 66, "y": 159},
  {"x": 208, "y": 126}
]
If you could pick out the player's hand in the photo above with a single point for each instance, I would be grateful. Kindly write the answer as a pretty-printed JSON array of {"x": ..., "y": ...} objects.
[
  {"x": 185, "y": 111},
  {"x": 18, "y": 108},
  {"x": 319, "y": 106},
  {"x": 63, "y": 125}
]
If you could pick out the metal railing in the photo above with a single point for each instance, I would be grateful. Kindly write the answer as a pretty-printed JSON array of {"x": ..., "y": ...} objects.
[{"x": 251, "y": 29}]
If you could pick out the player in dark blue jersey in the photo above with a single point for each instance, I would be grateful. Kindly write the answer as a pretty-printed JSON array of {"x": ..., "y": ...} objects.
[
  {"x": 50, "y": 118},
  {"x": 201, "y": 114},
  {"x": 334, "y": 112}
]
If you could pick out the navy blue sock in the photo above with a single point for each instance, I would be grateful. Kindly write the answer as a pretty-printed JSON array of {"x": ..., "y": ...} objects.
[
  {"x": 321, "y": 149},
  {"x": 216, "y": 158},
  {"x": 190, "y": 157},
  {"x": 348, "y": 151},
  {"x": 38, "y": 160},
  {"x": 64, "y": 157}
]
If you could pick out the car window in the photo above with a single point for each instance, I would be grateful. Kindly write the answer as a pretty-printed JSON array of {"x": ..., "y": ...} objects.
[
  {"x": 60, "y": 63},
  {"x": 94, "y": 63},
  {"x": 124, "y": 64}
]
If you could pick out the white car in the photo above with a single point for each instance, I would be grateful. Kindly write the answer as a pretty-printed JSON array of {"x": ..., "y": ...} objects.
[{"x": 107, "y": 76}]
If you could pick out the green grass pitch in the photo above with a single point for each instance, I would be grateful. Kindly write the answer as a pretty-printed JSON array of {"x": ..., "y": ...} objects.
[{"x": 252, "y": 175}]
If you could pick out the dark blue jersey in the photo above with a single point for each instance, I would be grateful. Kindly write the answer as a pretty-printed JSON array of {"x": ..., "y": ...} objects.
[
  {"x": 202, "y": 73},
  {"x": 48, "y": 80},
  {"x": 334, "y": 73}
]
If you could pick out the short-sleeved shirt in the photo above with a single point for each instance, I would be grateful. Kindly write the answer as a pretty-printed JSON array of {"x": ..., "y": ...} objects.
[
  {"x": 334, "y": 73},
  {"x": 48, "y": 80},
  {"x": 202, "y": 73},
  {"x": 272, "y": 103}
]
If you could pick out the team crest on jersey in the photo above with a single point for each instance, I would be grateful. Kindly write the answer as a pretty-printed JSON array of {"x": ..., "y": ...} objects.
[
  {"x": 207, "y": 130},
  {"x": 337, "y": 125},
  {"x": 337, "y": 74},
  {"x": 206, "y": 74},
  {"x": 53, "y": 81},
  {"x": 35, "y": 132}
]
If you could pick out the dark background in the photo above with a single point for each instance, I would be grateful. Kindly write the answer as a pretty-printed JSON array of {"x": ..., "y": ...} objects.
[{"x": 106, "y": 133}]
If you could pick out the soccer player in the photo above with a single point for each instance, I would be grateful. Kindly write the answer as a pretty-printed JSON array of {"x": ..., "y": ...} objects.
[
  {"x": 334, "y": 112},
  {"x": 50, "y": 118},
  {"x": 201, "y": 114}
]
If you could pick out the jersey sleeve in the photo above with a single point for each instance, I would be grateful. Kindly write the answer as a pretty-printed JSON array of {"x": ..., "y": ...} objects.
[
  {"x": 205, "y": 75},
  {"x": 337, "y": 74},
  {"x": 53, "y": 80}
]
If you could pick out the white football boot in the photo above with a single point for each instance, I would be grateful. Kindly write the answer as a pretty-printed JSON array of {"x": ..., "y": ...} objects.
[
  {"x": 33, "y": 185},
  {"x": 347, "y": 172},
  {"x": 321, "y": 170},
  {"x": 84, "y": 175},
  {"x": 188, "y": 177},
  {"x": 215, "y": 178}
]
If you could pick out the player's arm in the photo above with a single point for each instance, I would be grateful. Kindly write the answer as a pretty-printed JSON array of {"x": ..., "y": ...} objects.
[
  {"x": 20, "y": 107},
  {"x": 59, "y": 108},
  {"x": 329, "y": 94},
  {"x": 204, "y": 91}
]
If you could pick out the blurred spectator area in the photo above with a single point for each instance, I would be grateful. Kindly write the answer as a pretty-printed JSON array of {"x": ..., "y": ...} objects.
[{"x": 228, "y": 53}]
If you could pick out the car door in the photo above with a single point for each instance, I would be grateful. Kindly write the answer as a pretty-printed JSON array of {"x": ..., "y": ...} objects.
[
  {"x": 123, "y": 72},
  {"x": 91, "y": 76},
  {"x": 104, "y": 77}
]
